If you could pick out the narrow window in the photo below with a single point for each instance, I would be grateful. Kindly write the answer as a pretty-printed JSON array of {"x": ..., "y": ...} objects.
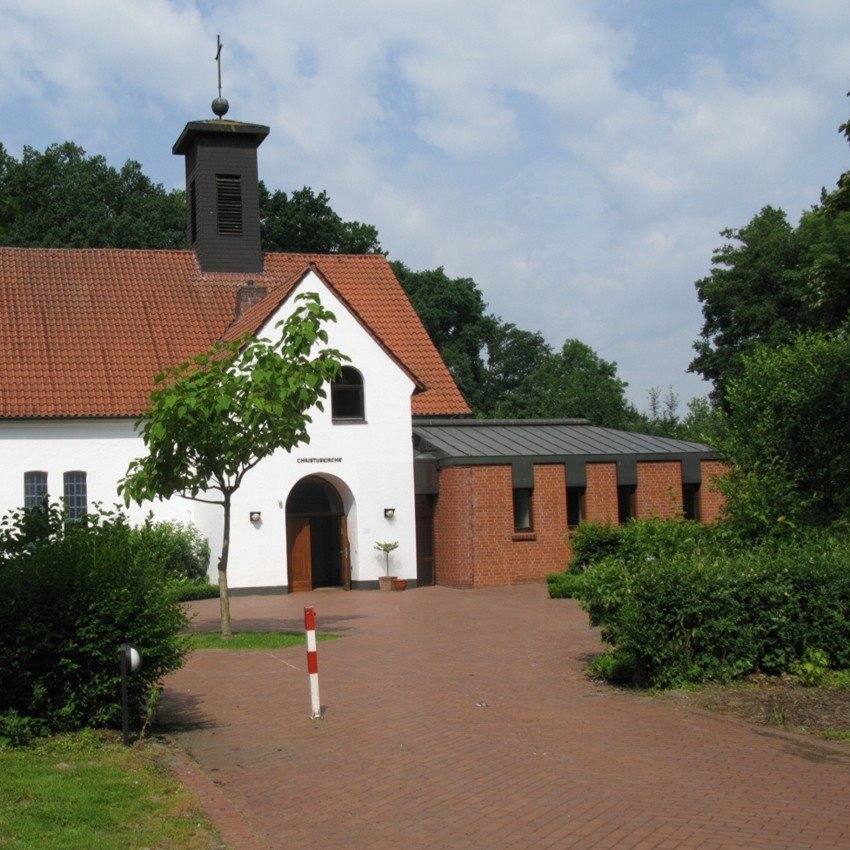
[
  {"x": 193, "y": 213},
  {"x": 690, "y": 501},
  {"x": 625, "y": 502},
  {"x": 575, "y": 505},
  {"x": 35, "y": 489},
  {"x": 229, "y": 198},
  {"x": 347, "y": 396},
  {"x": 522, "y": 509},
  {"x": 76, "y": 496}
]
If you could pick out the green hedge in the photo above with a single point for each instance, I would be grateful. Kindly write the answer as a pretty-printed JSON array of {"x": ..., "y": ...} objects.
[
  {"x": 72, "y": 593},
  {"x": 563, "y": 585},
  {"x": 703, "y": 611}
]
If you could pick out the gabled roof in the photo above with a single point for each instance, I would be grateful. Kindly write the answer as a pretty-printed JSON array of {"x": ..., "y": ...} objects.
[{"x": 84, "y": 331}]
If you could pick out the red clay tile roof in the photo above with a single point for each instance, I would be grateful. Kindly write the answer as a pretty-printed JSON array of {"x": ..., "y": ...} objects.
[{"x": 83, "y": 332}]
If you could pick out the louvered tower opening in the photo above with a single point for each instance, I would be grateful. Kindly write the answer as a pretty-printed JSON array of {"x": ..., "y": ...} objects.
[{"x": 229, "y": 204}]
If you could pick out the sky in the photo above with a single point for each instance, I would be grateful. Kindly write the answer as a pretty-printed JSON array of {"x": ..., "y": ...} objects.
[{"x": 577, "y": 158}]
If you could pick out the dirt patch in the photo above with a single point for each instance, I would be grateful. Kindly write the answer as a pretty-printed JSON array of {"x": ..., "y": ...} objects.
[{"x": 776, "y": 701}]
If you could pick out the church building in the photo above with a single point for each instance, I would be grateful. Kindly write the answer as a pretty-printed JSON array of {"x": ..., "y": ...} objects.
[{"x": 395, "y": 455}]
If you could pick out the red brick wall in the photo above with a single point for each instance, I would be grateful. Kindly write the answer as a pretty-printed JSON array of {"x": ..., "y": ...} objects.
[
  {"x": 474, "y": 540},
  {"x": 600, "y": 497},
  {"x": 710, "y": 500},
  {"x": 659, "y": 489}
]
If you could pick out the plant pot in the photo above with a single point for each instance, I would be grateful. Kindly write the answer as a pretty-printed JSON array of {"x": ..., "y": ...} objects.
[
  {"x": 399, "y": 584},
  {"x": 386, "y": 582}
]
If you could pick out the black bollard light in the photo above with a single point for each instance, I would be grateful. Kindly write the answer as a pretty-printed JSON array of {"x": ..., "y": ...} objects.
[{"x": 131, "y": 661}]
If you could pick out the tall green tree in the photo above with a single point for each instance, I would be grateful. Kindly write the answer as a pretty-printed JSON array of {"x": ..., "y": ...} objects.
[
  {"x": 574, "y": 382},
  {"x": 63, "y": 198},
  {"x": 756, "y": 293},
  {"x": 212, "y": 419},
  {"x": 304, "y": 222},
  {"x": 452, "y": 311},
  {"x": 787, "y": 433}
]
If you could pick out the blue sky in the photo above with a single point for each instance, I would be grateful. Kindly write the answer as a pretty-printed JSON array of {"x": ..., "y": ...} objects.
[{"x": 577, "y": 159}]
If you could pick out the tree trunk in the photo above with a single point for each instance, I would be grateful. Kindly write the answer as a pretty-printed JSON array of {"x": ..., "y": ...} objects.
[{"x": 223, "y": 593}]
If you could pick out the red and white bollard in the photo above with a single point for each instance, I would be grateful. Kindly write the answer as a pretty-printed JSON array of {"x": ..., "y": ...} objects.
[{"x": 312, "y": 661}]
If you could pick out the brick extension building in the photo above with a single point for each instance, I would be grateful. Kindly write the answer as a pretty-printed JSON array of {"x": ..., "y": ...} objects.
[{"x": 83, "y": 332}]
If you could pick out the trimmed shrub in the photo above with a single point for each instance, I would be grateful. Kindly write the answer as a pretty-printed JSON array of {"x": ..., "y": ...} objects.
[
  {"x": 188, "y": 591},
  {"x": 563, "y": 585},
  {"x": 72, "y": 595},
  {"x": 702, "y": 614},
  {"x": 181, "y": 549}
]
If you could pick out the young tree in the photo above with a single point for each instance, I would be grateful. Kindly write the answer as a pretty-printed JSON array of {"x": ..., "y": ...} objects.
[{"x": 213, "y": 418}]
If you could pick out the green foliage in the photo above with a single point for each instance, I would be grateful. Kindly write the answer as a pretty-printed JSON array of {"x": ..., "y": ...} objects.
[
  {"x": 304, "y": 222},
  {"x": 181, "y": 549},
  {"x": 564, "y": 585},
  {"x": 812, "y": 669},
  {"x": 788, "y": 434},
  {"x": 616, "y": 666},
  {"x": 212, "y": 419},
  {"x": 72, "y": 596},
  {"x": 63, "y": 198},
  {"x": 709, "y": 609},
  {"x": 189, "y": 591}
]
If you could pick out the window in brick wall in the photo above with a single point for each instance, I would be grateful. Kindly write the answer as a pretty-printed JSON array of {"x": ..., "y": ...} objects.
[
  {"x": 76, "y": 495},
  {"x": 625, "y": 502},
  {"x": 690, "y": 501},
  {"x": 35, "y": 488},
  {"x": 522, "y": 509},
  {"x": 575, "y": 505}
]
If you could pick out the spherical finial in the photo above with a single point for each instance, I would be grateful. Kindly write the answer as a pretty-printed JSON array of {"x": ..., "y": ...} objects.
[{"x": 220, "y": 106}]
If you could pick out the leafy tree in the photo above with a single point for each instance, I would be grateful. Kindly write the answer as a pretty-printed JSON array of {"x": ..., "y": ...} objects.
[
  {"x": 756, "y": 292},
  {"x": 452, "y": 310},
  {"x": 63, "y": 198},
  {"x": 788, "y": 432},
  {"x": 304, "y": 222},
  {"x": 574, "y": 382},
  {"x": 213, "y": 418},
  {"x": 512, "y": 357}
]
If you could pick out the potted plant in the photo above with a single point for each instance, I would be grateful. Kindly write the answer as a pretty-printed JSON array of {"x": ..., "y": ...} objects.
[{"x": 385, "y": 582}]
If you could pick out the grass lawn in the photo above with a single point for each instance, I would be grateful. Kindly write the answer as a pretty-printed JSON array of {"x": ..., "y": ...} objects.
[
  {"x": 84, "y": 791},
  {"x": 252, "y": 640}
]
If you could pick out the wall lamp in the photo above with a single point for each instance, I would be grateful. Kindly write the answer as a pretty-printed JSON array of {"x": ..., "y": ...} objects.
[
  {"x": 256, "y": 516},
  {"x": 389, "y": 513}
]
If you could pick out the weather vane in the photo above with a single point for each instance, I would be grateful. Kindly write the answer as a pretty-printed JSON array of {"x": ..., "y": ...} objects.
[{"x": 220, "y": 104}]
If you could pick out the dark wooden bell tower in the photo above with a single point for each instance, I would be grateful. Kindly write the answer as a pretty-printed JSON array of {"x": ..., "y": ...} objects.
[{"x": 222, "y": 193}]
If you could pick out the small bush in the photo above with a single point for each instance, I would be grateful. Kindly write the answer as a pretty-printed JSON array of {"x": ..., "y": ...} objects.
[
  {"x": 592, "y": 542},
  {"x": 181, "y": 549},
  {"x": 188, "y": 591},
  {"x": 812, "y": 669},
  {"x": 72, "y": 595},
  {"x": 616, "y": 666},
  {"x": 563, "y": 585}
]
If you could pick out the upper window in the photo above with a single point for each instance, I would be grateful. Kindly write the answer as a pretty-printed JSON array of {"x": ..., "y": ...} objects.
[
  {"x": 522, "y": 509},
  {"x": 229, "y": 197},
  {"x": 347, "y": 395},
  {"x": 690, "y": 501},
  {"x": 35, "y": 489},
  {"x": 76, "y": 495}
]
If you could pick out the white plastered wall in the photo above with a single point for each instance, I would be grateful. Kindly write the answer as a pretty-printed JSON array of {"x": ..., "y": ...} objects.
[{"x": 370, "y": 463}]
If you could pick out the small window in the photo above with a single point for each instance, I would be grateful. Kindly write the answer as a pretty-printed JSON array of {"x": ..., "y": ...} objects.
[
  {"x": 76, "y": 495},
  {"x": 690, "y": 501},
  {"x": 229, "y": 198},
  {"x": 347, "y": 396},
  {"x": 625, "y": 502},
  {"x": 522, "y": 509},
  {"x": 35, "y": 489},
  {"x": 575, "y": 506}
]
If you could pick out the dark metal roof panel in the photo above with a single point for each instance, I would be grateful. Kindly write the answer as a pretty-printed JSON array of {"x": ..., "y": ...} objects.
[{"x": 502, "y": 440}]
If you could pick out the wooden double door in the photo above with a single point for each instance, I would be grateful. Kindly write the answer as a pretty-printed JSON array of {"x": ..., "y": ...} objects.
[{"x": 316, "y": 537}]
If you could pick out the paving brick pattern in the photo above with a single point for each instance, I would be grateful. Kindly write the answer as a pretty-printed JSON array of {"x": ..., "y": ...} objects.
[{"x": 462, "y": 719}]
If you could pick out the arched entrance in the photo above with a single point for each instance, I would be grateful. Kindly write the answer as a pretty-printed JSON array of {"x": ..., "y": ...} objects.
[{"x": 316, "y": 537}]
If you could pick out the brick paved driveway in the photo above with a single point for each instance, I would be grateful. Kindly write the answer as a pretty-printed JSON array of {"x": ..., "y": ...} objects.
[{"x": 462, "y": 719}]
